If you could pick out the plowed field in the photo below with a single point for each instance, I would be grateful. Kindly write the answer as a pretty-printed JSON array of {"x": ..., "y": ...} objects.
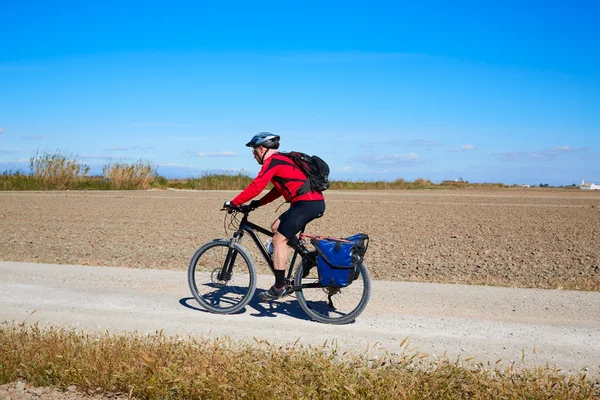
[{"x": 523, "y": 238}]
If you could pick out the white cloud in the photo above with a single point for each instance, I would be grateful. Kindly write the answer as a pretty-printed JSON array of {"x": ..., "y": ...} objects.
[
  {"x": 511, "y": 155},
  {"x": 345, "y": 169},
  {"x": 541, "y": 155},
  {"x": 115, "y": 149},
  {"x": 464, "y": 147},
  {"x": 389, "y": 160},
  {"x": 94, "y": 157},
  {"x": 212, "y": 154},
  {"x": 176, "y": 165}
]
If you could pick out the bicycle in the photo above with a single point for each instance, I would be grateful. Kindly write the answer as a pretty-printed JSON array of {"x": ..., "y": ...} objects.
[{"x": 222, "y": 276}]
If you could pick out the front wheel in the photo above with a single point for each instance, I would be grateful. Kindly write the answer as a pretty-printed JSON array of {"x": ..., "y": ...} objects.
[
  {"x": 220, "y": 288},
  {"x": 332, "y": 305}
]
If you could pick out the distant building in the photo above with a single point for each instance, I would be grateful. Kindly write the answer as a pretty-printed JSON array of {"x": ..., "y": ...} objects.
[{"x": 588, "y": 186}]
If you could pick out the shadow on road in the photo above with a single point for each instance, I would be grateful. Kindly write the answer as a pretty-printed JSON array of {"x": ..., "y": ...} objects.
[
  {"x": 288, "y": 306},
  {"x": 184, "y": 302}
]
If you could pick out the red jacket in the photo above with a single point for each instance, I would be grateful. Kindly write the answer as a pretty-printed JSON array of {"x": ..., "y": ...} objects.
[{"x": 288, "y": 181}]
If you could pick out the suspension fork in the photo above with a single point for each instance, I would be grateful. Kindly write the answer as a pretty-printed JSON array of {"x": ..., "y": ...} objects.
[{"x": 227, "y": 269}]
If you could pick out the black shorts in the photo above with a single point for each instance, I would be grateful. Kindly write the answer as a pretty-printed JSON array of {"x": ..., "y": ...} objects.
[{"x": 298, "y": 215}]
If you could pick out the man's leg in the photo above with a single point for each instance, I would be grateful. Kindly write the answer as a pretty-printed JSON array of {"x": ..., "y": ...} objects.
[
  {"x": 278, "y": 290},
  {"x": 280, "y": 255},
  {"x": 279, "y": 263},
  {"x": 287, "y": 226},
  {"x": 280, "y": 251}
]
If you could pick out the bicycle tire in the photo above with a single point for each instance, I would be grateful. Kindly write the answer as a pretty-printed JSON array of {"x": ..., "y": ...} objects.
[
  {"x": 312, "y": 300},
  {"x": 227, "y": 297}
]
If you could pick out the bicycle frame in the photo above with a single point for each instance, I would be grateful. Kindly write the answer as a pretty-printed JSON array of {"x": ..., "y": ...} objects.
[{"x": 251, "y": 228}]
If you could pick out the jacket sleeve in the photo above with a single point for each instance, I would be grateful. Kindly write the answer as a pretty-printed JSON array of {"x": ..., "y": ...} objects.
[
  {"x": 269, "y": 197},
  {"x": 256, "y": 186}
]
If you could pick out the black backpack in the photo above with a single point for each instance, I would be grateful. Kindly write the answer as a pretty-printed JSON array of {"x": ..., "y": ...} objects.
[{"x": 315, "y": 169}]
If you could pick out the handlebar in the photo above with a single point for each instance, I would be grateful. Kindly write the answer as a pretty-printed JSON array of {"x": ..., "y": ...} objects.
[{"x": 244, "y": 208}]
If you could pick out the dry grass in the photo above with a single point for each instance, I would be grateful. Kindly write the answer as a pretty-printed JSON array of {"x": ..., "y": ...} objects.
[
  {"x": 160, "y": 367},
  {"x": 61, "y": 171},
  {"x": 57, "y": 170},
  {"x": 123, "y": 176}
]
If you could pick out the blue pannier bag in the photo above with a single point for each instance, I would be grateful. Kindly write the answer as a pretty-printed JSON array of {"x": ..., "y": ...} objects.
[{"x": 338, "y": 260}]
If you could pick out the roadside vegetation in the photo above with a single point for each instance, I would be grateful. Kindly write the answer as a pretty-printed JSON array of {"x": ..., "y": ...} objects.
[
  {"x": 123, "y": 176},
  {"x": 401, "y": 184},
  {"x": 58, "y": 170},
  {"x": 161, "y": 367},
  {"x": 62, "y": 171}
]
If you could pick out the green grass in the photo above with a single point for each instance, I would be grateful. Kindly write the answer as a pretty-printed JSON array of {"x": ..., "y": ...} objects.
[
  {"x": 213, "y": 181},
  {"x": 161, "y": 367}
]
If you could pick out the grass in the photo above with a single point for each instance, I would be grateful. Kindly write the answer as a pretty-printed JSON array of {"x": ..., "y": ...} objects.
[
  {"x": 214, "y": 181},
  {"x": 123, "y": 176},
  {"x": 62, "y": 171},
  {"x": 57, "y": 170},
  {"x": 401, "y": 184},
  {"x": 161, "y": 367}
]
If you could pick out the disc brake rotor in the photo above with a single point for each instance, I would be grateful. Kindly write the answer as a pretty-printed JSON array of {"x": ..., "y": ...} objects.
[{"x": 214, "y": 276}]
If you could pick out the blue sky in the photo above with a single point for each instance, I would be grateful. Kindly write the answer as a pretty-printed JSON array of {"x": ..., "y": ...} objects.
[{"x": 500, "y": 92}]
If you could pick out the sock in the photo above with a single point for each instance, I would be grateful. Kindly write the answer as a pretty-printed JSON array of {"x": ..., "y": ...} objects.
[{"x": 279, "y": 278}]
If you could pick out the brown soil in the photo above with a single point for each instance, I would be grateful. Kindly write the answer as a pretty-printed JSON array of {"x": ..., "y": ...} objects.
[{"x": 522, "y": 238}]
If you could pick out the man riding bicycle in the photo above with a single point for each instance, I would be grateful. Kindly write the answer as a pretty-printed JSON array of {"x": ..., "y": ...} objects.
[{"x": 289, "y": 182}]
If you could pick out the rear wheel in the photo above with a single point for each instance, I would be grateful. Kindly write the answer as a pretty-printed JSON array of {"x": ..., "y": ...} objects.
[
  {"x": 332, "y": 305},
  {"x": 222, "y": 293}
]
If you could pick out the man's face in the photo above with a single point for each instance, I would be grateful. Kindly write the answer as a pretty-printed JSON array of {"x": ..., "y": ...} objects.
[{"x": 258, "y": 153}]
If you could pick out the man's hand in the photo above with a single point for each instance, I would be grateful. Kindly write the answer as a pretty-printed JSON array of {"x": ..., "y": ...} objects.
[
  {"x": 228, "y": 205},
  {"x": 254, "y": 204}
]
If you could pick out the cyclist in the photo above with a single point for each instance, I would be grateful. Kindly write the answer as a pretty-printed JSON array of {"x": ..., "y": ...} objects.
[{"x": 289, "y": 182}]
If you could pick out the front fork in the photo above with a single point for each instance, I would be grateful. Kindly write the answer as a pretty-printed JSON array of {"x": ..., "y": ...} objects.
[{"x": 227, "y": 269}]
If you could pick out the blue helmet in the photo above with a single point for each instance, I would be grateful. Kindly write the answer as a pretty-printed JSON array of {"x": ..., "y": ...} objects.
[{"x": 264, "y": 139}]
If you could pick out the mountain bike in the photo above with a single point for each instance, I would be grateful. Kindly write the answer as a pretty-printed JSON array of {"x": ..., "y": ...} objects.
[{"x": 222, "y": 275}]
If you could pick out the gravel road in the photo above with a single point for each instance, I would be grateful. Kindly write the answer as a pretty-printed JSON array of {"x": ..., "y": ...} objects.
[{"x": 557, "y": 327}]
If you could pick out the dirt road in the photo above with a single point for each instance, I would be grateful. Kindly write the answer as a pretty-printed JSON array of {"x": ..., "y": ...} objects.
[{"x": 489, "y": 323}]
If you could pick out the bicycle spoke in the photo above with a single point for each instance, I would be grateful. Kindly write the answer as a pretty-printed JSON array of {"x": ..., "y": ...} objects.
[
  {"x": 224, "y": 296},
  {"x": 333, "y": 305}
]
